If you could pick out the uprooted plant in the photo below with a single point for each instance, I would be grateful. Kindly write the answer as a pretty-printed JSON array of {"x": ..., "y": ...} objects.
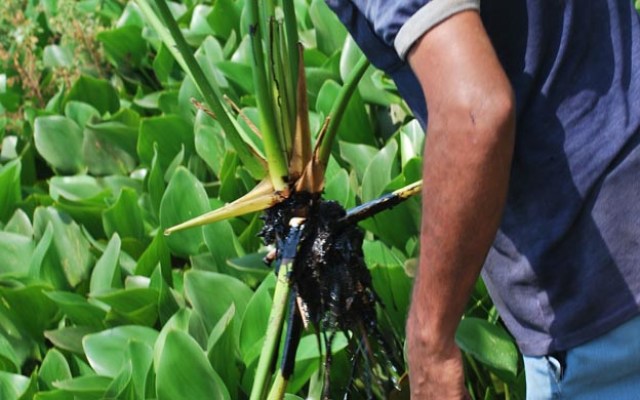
[{"x": 323, "y": 281}]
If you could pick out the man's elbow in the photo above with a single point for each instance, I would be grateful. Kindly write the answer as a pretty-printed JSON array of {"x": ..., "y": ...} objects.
[{"x": 483, "y": 124}]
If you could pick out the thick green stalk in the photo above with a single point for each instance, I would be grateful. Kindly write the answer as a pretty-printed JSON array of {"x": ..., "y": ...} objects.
[
  {"x": 291, "y": 33},
  {"x": 274, "y": 149},
  {"x": 283, "y": 91},
  {"x": 274, "y": 329},
  {"x": 339, "y": 107},
  {"x": 174, "y": 40}
]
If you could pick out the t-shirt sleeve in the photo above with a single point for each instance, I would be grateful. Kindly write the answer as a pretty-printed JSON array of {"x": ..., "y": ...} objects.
[{"x": 400, "y": 23}]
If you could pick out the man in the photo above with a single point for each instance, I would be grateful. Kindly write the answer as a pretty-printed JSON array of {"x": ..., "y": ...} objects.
[{"x": 531, "y": 164}]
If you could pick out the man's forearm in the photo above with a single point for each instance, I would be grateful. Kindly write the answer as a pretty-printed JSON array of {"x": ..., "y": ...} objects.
[{"x": 467, "y": 159}]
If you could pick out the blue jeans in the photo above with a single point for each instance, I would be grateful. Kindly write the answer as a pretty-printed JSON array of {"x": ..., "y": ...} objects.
[{"x": 607, "y": 367}]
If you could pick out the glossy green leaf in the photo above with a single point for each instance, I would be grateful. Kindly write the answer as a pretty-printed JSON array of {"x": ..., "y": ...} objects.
[
  {"x": 255, "y": 320},
  {"x": 9, "y": 361},
  {"x": 16, "y": 253},
  {"x": 78, "y": 309},
  {"x": 125, "y": 216},
  {"x": 86, "y": 386},
  {"x": 80, "y": 113},
  {"x": 78, "y": 188},
  {"x": 221, "y": 351},
  {"x": 229, "y": 290},
  {"x": 185, "y": 372},
  {"x": 9, "y": 188},
  {"x": 185, "y": 198},
  {"x": 12, "y": 386},
  {"x": 109, "y": 148},
  {"x": 124, "y": 46},
  {"x": 106, "y": 351},
  {"x": 28, "y": 308},
  {"x": 59, "y": 141},
  {"x": 69, "y": 338},
  {"x": 131, "y": 381},
  {"x": 491, "y": 345},
  {"x": 106, "y": 274},
  {"x": 210, "y": 144},
  {"x": 133, "y": 306},
  {"x": 54, "y": 368},
  {"x": 72, "y": 248},
  {"x": 170, "y": 132},
  {"x": 379, "y": 172},
  {"x": 99, "y": 93},
  {"x": 355, "y": 126},
  {"x": 359, "y": 156},
  {"x": 19, "y": 224},
  {"x": 330, "y": 33},
  {"x": 156, "y": 253}
]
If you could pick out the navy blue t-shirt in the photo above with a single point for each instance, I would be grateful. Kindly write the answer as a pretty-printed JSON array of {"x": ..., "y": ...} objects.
[{"x": 565, "y": 265}]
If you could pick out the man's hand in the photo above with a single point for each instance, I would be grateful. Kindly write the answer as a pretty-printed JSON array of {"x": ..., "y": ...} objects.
[{"x": 467, "y": 158}]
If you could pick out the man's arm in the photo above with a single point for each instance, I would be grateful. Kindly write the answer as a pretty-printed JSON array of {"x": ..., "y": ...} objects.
[{"x": 467, "y": 158}]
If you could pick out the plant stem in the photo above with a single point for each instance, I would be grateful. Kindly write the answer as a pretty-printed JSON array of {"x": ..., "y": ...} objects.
[
  {"x": 339, "y": 107},
  {"x": 275, "y": 152},
  {"x": 175, "y": 40},
  {"x": 279, "y": 388}
]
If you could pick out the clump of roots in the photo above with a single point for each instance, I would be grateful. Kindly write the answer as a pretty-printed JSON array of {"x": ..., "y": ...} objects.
[{"x": 333, "y": 290}]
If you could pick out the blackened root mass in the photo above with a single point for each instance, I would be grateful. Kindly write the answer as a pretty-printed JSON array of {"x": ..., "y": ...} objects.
[{"x": 331, "y": 279}]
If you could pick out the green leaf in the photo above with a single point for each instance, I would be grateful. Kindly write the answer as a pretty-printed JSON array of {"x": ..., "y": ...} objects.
[
  {"x": 77, "y": 188},
  {"x": 255, "y": 321},
  {"x": 124, "y": 46},
  {"x": 86, "y": 386},
  {"x": 71, "y": 247},
  {"x": 16, "y": 253},
  {"x": 54, "y": 368},
  {"x": 19, "y": 224},
  {"x": 9, "y": 188},
  {"x": 359, "y": 156},
  {"x": 12, "y": 386},
  {"x": 185, "y": 373},
  {"x": 59, "y": 141},
  {"x": 134, "y": 306},
  {"x": 210, "y": 144},
  {"x": 125, "y": 216},
  {"x": 378, "y": 173},
  {"x": 156, "y": 253},
  {"x": 99, "y": 93},
  {"x": 9, "y": 361},
  {"x": 69, "y": 338},
  {"x": 131, "y": 381},
  {"x": 198, "y": 286},
  {"x": 330, "y": 33},
  {"x": 355, "y": 126},
  {"x": 80, "y": 113},
  {"x": 185, "y": 198},
  {"x": 78, "y": 309},
  {"x": 221, "y": 351},
  {"x": 491, "y": 345},
  {"x": 106, "y": 351},
  {"x": 171, "y": 133},
  {"x": 109, "y": 148},
  {"x": 106, "y": 275},
  {"x": 28, "y": 308},
  {"x": 221, "y": 250},
  {"x": 224, "y": 18}
]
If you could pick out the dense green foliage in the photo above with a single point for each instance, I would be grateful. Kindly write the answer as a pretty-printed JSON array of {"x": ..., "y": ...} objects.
[{"x": 103, "y": 148}]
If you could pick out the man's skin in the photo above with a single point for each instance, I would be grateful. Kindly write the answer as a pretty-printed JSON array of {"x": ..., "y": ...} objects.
[{"x": 467, "y": 158}]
